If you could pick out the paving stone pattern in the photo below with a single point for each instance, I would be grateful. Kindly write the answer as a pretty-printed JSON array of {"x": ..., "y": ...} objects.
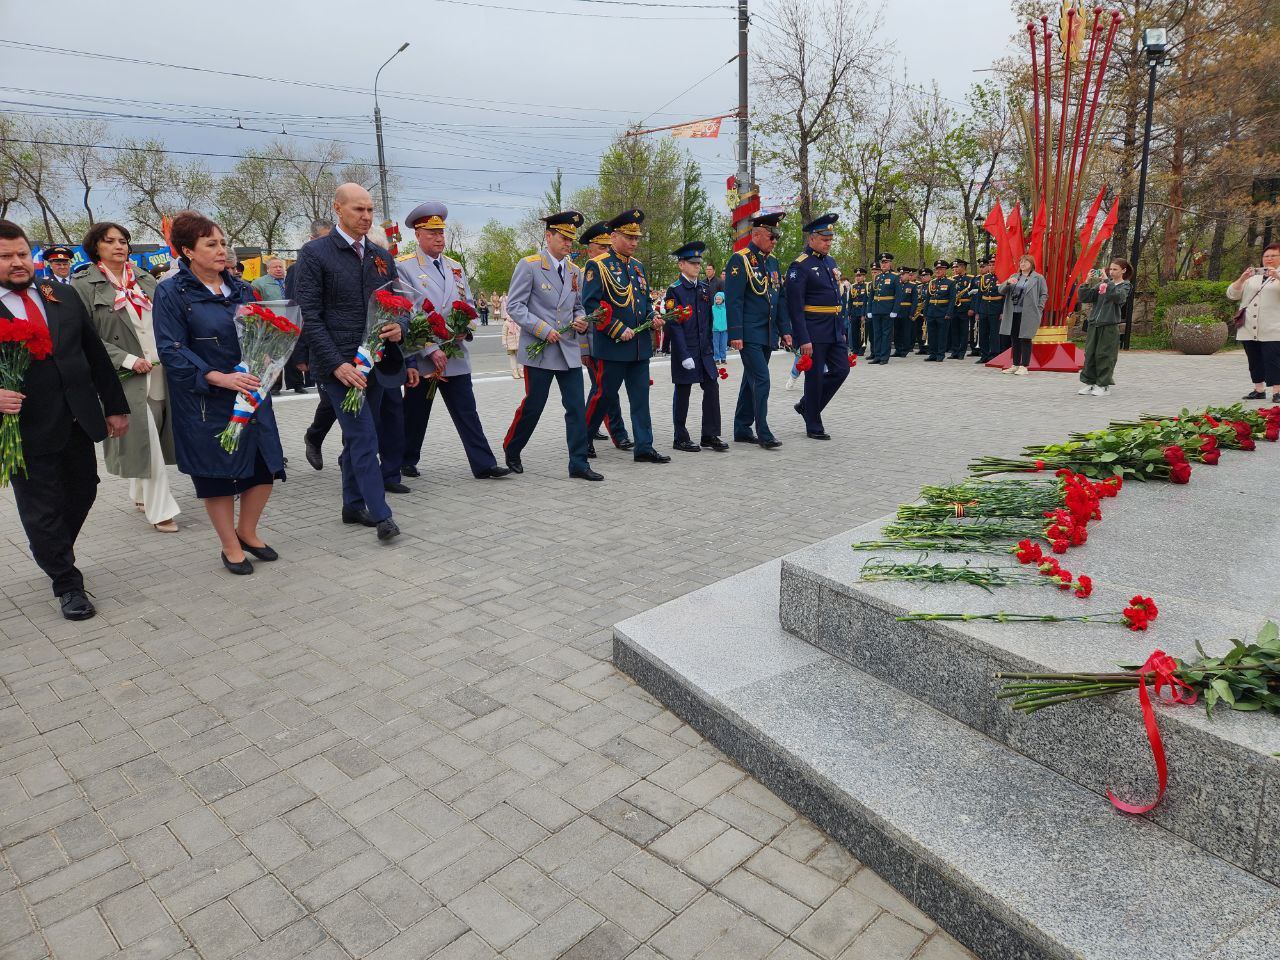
[{"x": 422, "y": 750}]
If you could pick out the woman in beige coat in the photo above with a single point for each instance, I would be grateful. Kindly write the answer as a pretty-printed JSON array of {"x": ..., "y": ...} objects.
[
  {"x": 1257, "y": 290},
  {"x": 510, "y": 337},
  {"x": 118, "y": 299}
]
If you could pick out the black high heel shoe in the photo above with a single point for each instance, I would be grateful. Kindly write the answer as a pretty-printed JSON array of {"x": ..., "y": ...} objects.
[
  {"x": 241, "y": 569},
  {"x": 263, "y": 552}
]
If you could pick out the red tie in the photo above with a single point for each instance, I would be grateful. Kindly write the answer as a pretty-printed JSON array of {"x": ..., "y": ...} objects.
[{"x": 33, "y": 310}]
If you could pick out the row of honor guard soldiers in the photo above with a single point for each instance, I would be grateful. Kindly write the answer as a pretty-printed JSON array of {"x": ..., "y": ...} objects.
[{"x": 941, "y": 312}]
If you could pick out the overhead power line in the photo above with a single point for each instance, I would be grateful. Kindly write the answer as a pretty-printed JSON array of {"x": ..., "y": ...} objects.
[{"x": 543, "y": 11}]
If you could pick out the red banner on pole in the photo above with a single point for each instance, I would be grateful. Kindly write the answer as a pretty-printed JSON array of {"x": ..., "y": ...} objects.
[{"x": 699, "y": 129}]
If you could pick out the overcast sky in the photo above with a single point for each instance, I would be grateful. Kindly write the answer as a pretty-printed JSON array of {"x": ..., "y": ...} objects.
[{"x": 478, "y": 112}]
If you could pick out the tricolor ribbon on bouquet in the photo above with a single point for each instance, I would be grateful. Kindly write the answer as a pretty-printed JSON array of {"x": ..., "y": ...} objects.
[
  {"x": 1162, "y": 668},
  {"x": 364, "y": 361},
  {"x": 246, "y": 406}
]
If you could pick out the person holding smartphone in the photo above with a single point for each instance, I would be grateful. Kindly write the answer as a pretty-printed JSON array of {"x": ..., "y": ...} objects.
[
  {"x": 1257, "y": 290},
  {"x": 1108, "y": 294}
]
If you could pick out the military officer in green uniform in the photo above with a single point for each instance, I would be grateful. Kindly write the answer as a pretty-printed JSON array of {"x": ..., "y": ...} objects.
[
  {"x": 618, "y": 279},
  {"x": 939, "y": 310},
  {"x": 902, "y": 324},
  {"x": 855, "y": 308},
  {"x": 988, "y": 304},
  {"x": 883, "y": 293},
  {"x": 917, "y": 316},
  {"x": 757, "y": 321},
  {"x": 959, "y": 330},
  {"x": 595, "y": 241}
]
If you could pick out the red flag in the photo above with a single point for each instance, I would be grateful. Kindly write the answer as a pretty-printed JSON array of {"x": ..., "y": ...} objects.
[
  {"x": 1086, "y": 231},
  {"x": 1036, "y": 247},
  {"x": 1017, "y": 243},
  {"x": 1089, "y": 255},
  {"x": 994, "y": 225}
]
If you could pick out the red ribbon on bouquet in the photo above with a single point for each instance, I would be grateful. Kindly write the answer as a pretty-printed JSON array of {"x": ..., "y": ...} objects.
[{"x": 1164, "y": 668}]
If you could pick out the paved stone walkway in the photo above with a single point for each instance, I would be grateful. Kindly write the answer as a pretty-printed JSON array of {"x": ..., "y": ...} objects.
[{"x": 421, "y": 750}]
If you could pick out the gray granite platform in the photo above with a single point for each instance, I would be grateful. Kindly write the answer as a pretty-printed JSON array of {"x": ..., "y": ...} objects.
[
  {"x": 1206, "y": 552},
  {"x": 1012, "y": 858}
]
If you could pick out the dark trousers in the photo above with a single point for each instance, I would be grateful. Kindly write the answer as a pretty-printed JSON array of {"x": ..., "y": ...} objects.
[
  {"x": 361, "y": 472},
  {"x": 957, "y": 336},
  {"x": 635, "y": 374},
  {"x": 902, "y": 334},
  {"x": 918, "y": 323},
  {"x": 881, "y": 335},
  {"x": 710, "y": 408},
  {"x": 1020, "y": 345},
  {"x": 294, "y": 378},
  {"x": 973, "y": 335},
  {"x": 391, "y": 434},
  {"x": 324, "y": 418},
  {"x": 752, "y": 410},
  {"x": 989, "y": 335},
  {"x": 460, "y": 400},
  {"x": 537, "y": 387},
  {"x": 53, "y": 500},
  {"x": 937, "y": 332},
  {"x": 821, "y": 381},
  {"x": 614, "y": 425},
  {"x": 1264, "y": 360}
]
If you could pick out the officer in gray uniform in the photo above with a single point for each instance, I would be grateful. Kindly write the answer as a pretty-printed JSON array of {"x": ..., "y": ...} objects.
[
  {"x": 545, "y": 301},
  {"x": 430, "y": 275}
]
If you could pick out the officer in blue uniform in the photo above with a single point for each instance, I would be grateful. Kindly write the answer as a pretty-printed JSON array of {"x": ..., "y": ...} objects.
[
  {"x": 883, "y": 293},
  {"x": 902, "y": 332},
  {"x": 940, "y": 305},
  {"x": 595, "y": 241},
  {"x": 813, "y": 301},
  {"x": 618, "y": 279},
  {"x": 917, "y": 315},
  {"x": 988, "y": 304},
  {"x": 961, "y": 331},
  {"x": 688, "y": 316},
  {"x": 757, "y": 321},
  {"x": 855, "y": 305}
]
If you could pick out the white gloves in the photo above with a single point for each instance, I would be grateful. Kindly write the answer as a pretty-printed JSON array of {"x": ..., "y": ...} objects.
[
  {"x": 688, "y": 363},
  {"x": 892, "y": 316}
]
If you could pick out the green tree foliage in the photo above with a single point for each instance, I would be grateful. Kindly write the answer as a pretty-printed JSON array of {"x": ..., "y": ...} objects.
[{"x": 494, "y": 256}]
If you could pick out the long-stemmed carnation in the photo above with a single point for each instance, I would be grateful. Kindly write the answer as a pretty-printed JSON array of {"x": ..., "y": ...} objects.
[
  {"x": 268, "y": 333},
  {"x": 21, "y": 341}
]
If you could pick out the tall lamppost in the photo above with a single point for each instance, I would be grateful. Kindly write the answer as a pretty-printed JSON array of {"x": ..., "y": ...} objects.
[
  {"x": 980, "y": 220},
  {"x": 1155, "y": 41},
  {"x": 880, "y": 215},
  {"x": 377, "y": 126}
]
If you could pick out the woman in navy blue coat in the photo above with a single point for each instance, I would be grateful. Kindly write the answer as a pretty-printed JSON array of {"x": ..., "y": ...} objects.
[{"x": 199, "y": 349}]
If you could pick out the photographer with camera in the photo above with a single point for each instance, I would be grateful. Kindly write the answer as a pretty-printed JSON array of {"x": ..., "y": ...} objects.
[{"x": 1257, "y": 290}]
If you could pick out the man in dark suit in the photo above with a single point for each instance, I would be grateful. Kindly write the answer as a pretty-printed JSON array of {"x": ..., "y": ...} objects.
[
  {"x": 324, "y": 418},
  {"x": 61, "y": 416},
  {"x": 336, "y": 278}
]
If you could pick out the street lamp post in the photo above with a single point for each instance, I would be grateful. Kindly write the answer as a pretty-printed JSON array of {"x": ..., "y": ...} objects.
[
  {"x": 880, "y": 215},
  {"x": 986, "y": 237},
  {"x": 377, "y": 127},
  {"x": 1155, "y": 41}
]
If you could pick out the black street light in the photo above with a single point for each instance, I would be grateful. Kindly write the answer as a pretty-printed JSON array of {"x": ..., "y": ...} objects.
[
  {"x": 377, "y": 127},
  {"x": 1155, "y": 41},
  {"x": 881, "y": 214},
  {"x": 980, "y": 220}
]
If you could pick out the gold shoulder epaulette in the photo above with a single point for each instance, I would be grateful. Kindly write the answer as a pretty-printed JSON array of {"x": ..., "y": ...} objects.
[
  {"x": 533, "y": 258},
  {"x": 803, "y": 256},
  {"x": 405, "y": 256}
]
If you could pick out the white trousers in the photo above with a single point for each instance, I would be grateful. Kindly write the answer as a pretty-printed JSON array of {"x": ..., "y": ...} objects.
[{"x": 153, "y": 492}]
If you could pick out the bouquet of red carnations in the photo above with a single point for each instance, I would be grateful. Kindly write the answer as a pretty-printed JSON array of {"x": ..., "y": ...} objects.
[
  {"x": 602, "y": 318},
  {"x": 268, "y": 332},
  {"x": 21, "y": 341},
  {"x": 384, "y": 307}
]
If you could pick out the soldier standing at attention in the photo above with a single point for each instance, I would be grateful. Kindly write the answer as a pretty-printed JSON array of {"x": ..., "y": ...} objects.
[
  {"x": 756, "y": 323},
  {"x": 940, "y": 303},
  {"x": 688, "y": 306},
  {"x": 595, "y": 240},
  {"x": 902, "y": 332},
  {"x": 883, "y": 293},
  {"x": 917, "y": 316},
  {"x": 856, "y": 309},
  {"x": 988, "y": 303},
  {"x": 813, "y": 300},
  {"x": 961, "y": 329},
  {"x": 617, "y": 279},
  {"x": 545, "y": 297}
]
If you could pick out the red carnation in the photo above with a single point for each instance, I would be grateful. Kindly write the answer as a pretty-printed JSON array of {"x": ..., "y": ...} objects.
[
  {"x": 1039, "y": 465},
  {"x": 1049, "y": 567},
  {"x": 722, "y": 373},
  {"x": 1084, "y": 585},
  {"x": 439, "y": 329},
  {"x": 1064, "y": 579},
  {"x": 1079, "y": 536},
  {"x": 1146, "y": 605},
  {"x": 1135, "y": 618},
  {"x": 1180, "y": 473},
  {"x": 466, "y": 309},
  {"x": 803, "y": 364},
  {"x": 392, "y": 302},
  {"x": 853, "y": 360},
  {"x": 651, "y": 382},
  {"x": 1029, "y": 552},
  {"x": 1060, "y": 546}
]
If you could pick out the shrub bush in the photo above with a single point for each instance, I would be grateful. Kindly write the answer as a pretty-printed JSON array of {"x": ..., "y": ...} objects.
[{"x": 1213, "y": 292}]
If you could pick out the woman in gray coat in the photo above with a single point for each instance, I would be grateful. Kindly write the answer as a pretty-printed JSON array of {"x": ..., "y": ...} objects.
[
  {"x": 119, "y": 301},
  {"x": 1024, "y": 296}
]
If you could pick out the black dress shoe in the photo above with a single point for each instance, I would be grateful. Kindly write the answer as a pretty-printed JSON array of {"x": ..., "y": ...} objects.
[
  {"x": 715, "y": 443},
  {"x": 263, "y": 552},
  {"x": 599, "y": 436},
  {"x": 587, "y": 474},
  {"x": 314, "y": 456},
  {"x": 493, "y": 473},
  {"x": 688, "y": 446},
  {"x": 750, "y": 438},
  {"x": 395, "y": 488},
  {"x": 770, "y": 444},
  {"x": 591, "y": 451},
  {"x": 980, "y": 360},
  {"x": 299, "y": 389},
  {"x": 798, "y": 409},
  {"x": 388, "y": 529},
  {"x": 625, "y": 444},
  {"x": 820, "y": 435},
  {"x": 409, "y": 471},
  {"x": 358, "y": 516},
  {"x": 1255, "y": 395},
  {"x": 76, "y": 605},
  {"x": 240, "y": 569},
  {"x": 653, "y": 456},
  {"x": 514, "y": 464}
]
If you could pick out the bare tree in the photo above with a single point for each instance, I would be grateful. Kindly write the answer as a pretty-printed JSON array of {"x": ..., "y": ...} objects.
[
  {"x": 36, "y": 170},
  {"x": 926, "y": 132},
  {"x": 82, "y": 159},
  {"x": 157, "y": 186},
  {"x": 863, "y": 155}
]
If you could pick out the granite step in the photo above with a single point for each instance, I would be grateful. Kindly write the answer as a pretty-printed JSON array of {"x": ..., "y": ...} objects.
[
  {"x": 1158, "y": 540},
  {"x": 1011, "y": 858}
]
